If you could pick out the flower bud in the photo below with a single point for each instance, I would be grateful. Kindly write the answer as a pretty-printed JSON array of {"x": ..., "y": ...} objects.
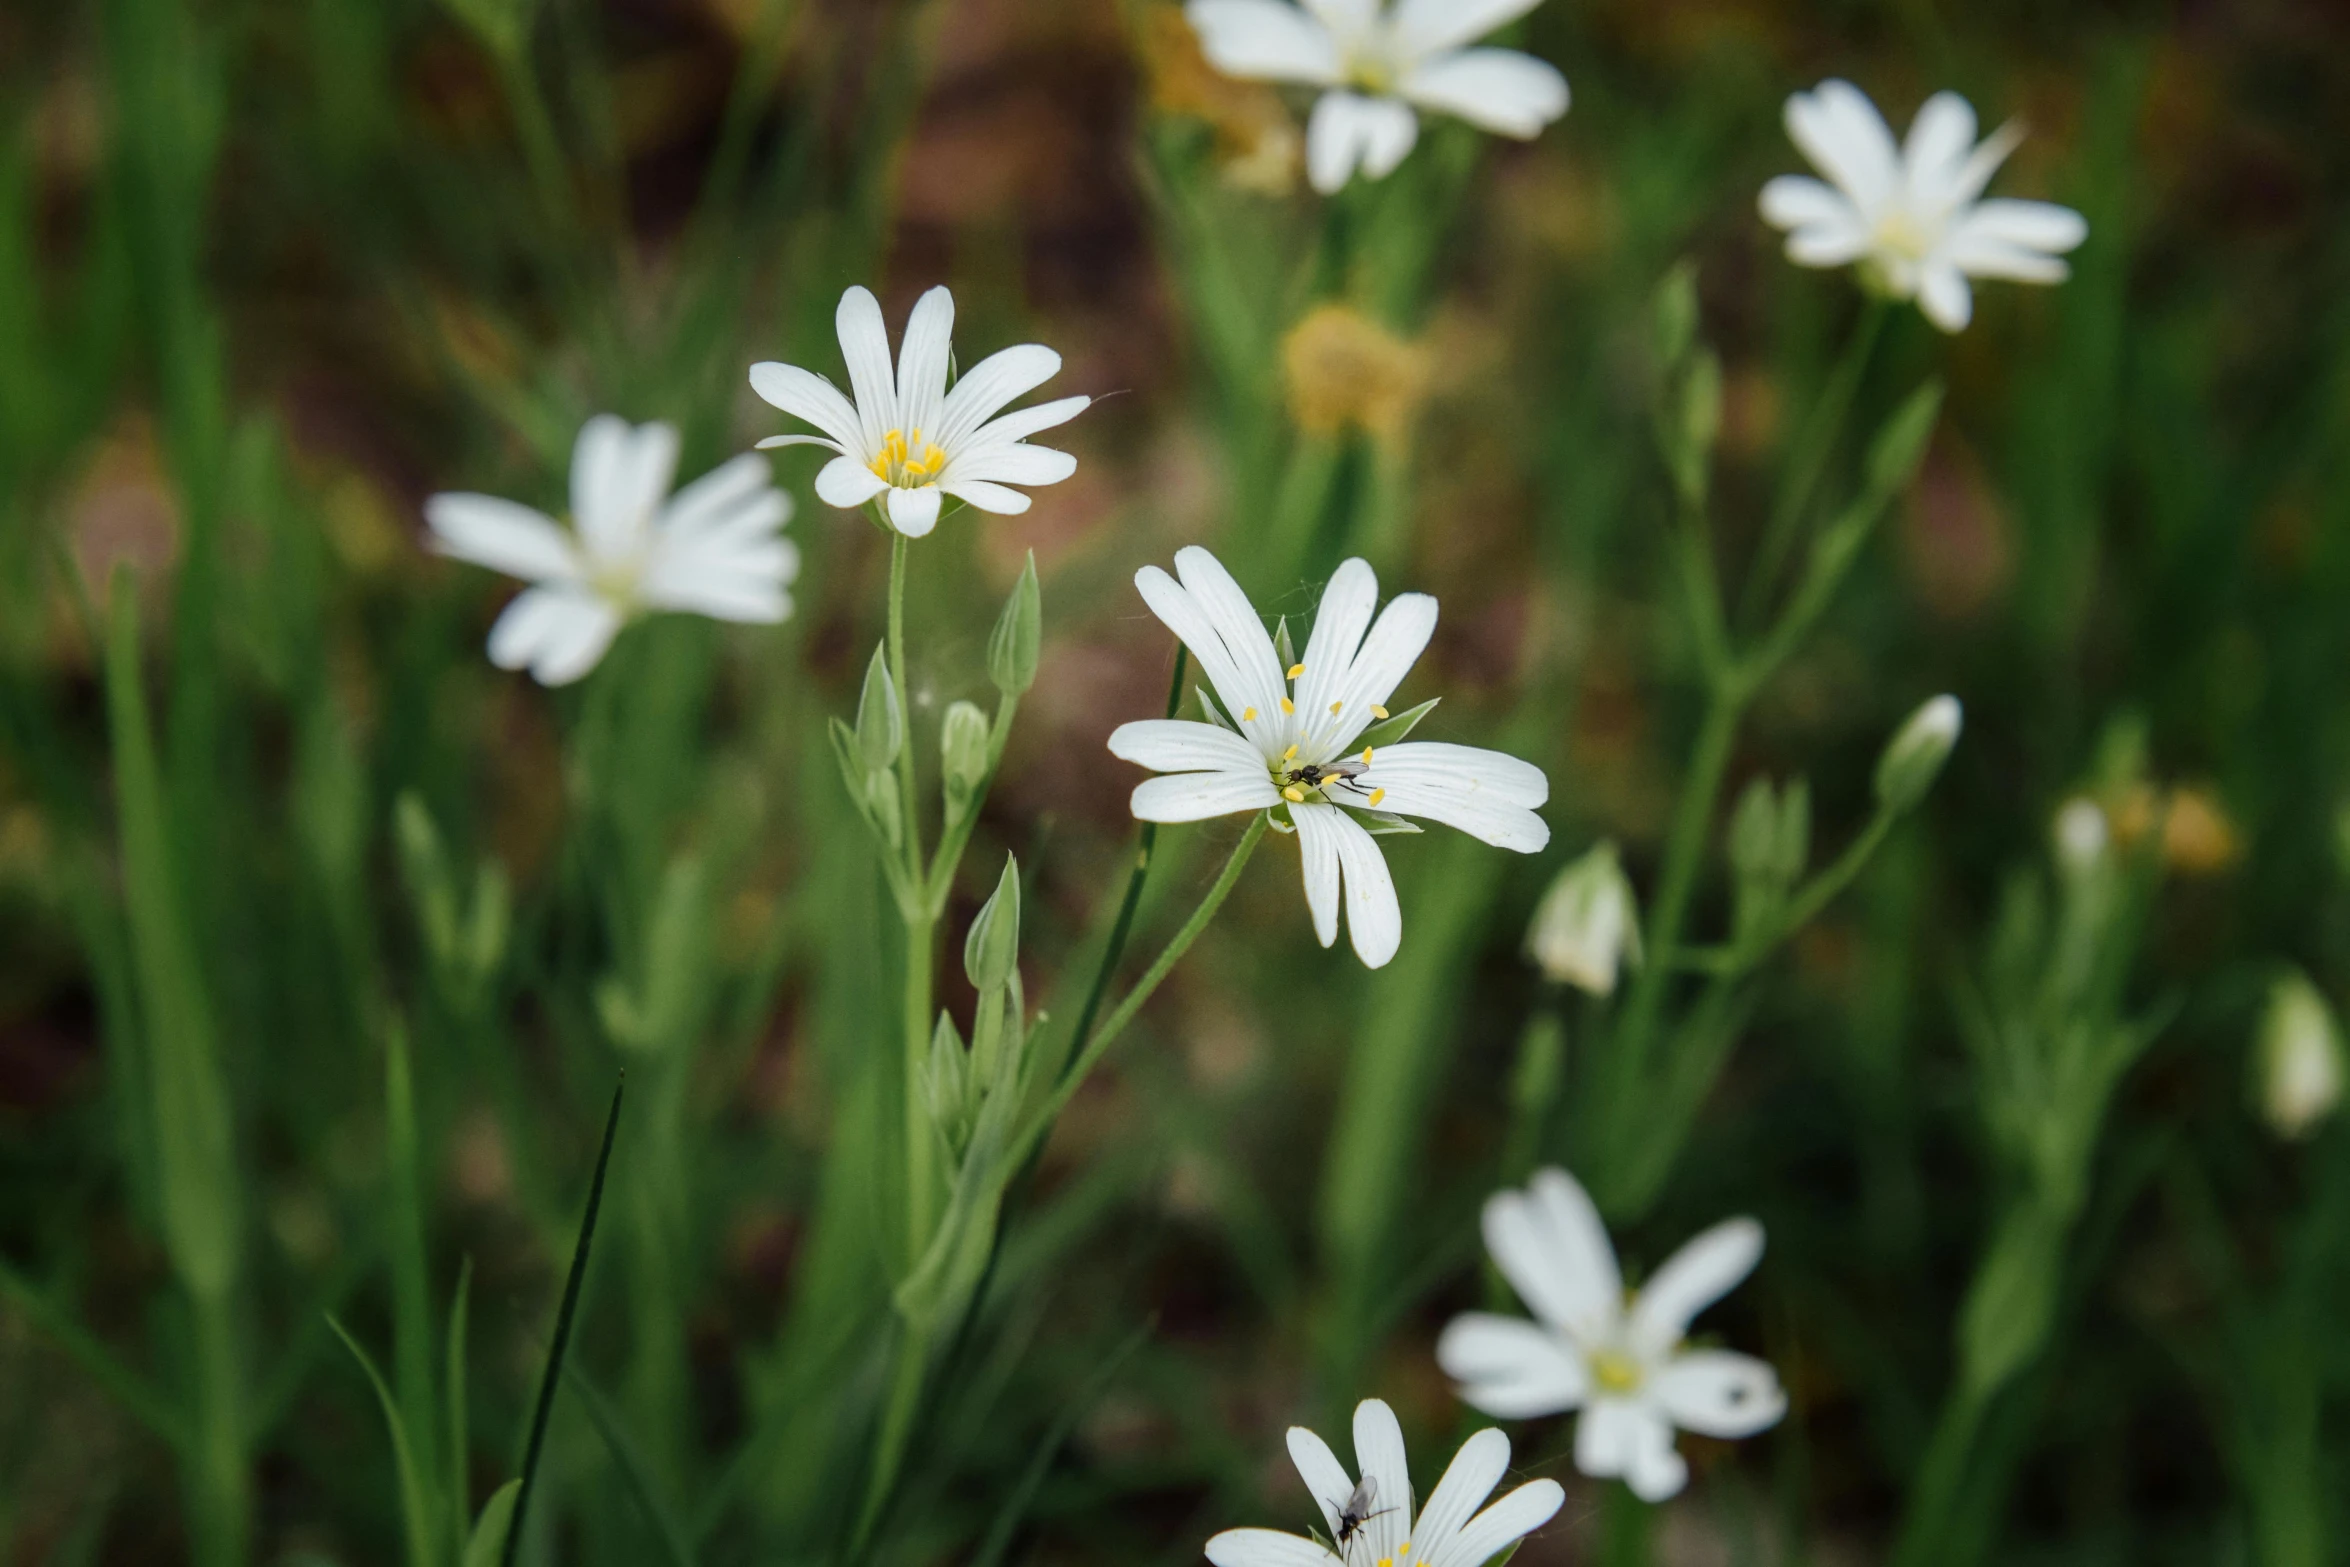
[
  {"x": 1913, "y": 758},
  {"x": 1019, "y": 631},
  {"x": 1587, "y": 924},
  {"x": 962, "y": 748},
  {"x": 946, "y": 1084},
  {"x": 992, "y": 950},
  {"x": 2082, "y": 836},
  {"x": 881, "y": 728},
  {"x": 2300, "y": 1057}
]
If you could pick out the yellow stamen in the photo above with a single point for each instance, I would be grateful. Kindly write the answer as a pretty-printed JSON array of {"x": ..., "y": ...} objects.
[
  {"x": 908, "y": 461},
  {"x": 1377, "y": 711},
  {"x": 1287, "y": 706},
  {"x": 1289, "y": 755},
  {"x": 1615, "y": 1372},
  {"x": 1377, "y": 795},
  {"x": 1296, "y": 670},
  {"x": 1248, "y": 715},
  {"x": 1366, "y": 756},
  {"x": 1335, "y": 706},
  {"x": 1294, "y": 795}
]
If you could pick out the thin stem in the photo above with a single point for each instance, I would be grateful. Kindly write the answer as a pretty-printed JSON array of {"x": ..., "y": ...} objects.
[
  {"x": 1941, "y": 1479},
  {"x": 1684, "y": 849},
  {"x": 1809, "y": 459},
  {"x": 899, "y": 547},
  {"x": 891, "y": 1436},
  {"x": 217, "y": 1463},
  {"x": 921, "y": 925}
]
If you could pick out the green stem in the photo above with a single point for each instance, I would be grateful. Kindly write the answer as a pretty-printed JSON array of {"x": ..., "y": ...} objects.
[
  {"x": 1624, "y": 1529},
  {"x": 1684, "y": 849},
  {"x": 1809, "y": 459},
  {"x": 891, "y": 1436},
  {"x": 899, "y": 547},
  {"x": 217, "y": 1463},
  {"x": 1941, "y": 1479},
  {"x": 921, "y": 926}
]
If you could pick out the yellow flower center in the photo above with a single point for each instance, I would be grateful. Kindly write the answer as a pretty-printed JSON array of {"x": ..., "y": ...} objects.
[
  {"x": 1613, "y": 1371},
  {"x": 908, "y": 461},
  {"x": 1903, "y": 235}
]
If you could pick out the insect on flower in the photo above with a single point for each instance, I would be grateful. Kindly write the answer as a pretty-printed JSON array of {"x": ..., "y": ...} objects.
[{"x": 1358, "y": 1510}]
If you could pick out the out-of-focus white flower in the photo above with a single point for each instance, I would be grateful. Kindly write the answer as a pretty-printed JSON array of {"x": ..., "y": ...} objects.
[
  {"x": 1587, "y": 925},
  {"x": 1912, "y": 215},
  {"x": 2082, "y": 835},
  {"x": 1380, "y": 62},
  {"x": 907, "y": 437},
  {"x": 1293, "y": 745},
  {"x": 1444, "y": 1534},
  {"x": 2301, "y": 1066},
  {"x": 1619, "y": 1360},
  {"x": 714, "y": 548},
  {"x": 1913, "y": 758}
]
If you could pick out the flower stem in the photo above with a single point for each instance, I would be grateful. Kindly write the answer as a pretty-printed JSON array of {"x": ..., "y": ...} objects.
[
  {"x": 1809, "y": 460},
  {"x": 921, "y": 1173},
  {"x": 891, "y": 1435}
]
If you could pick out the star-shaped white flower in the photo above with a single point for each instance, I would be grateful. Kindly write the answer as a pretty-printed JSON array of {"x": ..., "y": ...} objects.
[
  {"x": 1295, "y": 741},
  {"x": 1443, "y": 1535},
  {"x": 1912, "y": 215},
  {"x": 907, "y": 436},
  {"x": 714, "y": 548},
  {"x": 1619, "y": 1360},
  {"x": 1379, "y": 62}
]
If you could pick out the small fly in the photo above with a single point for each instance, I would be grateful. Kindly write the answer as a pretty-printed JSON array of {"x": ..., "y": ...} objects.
[
  {"x": 1326, "y": 775},
  {"x": 1358, "y": 1509}
]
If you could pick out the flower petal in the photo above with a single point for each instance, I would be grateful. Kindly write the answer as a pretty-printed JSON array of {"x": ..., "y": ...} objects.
[
  {"x": 1379, "y": 1455},
  {"x": 915, "y": 512},
  {"x": 1264, "y": 40},
  {"x": 1317, "y": 852},
  {"x": 1944, "y": 296},
  {"x": 1470, "y": 1478},
  {"x": 1999, "y": 226},
  {"x": 1693, "y": 1278},
  {"x": 1028, "y": 421},
  {"x": 1936, "y": 150},
  {"x": 502, "y": 535},
  {"x": 1515, "y": 1516},
  {"x": 1487, "y": 794},
  {"x": 1498, "y": 90},
  {"x": 734, "y": 499},
  {"x": 806, "y": 395},
  {"x": 738, "y": 589},
  {"x": 1180, "y": 612},
  {"x": 1511, "y": 1368},
  {"x": 1335, "y": 845},
  {"x": 558, "y": 634},
  {"x": 1323, "y": 1474},
  {"x": 1393, "y": 644},
  {"x": 1267, "y": 1548},
  {"x": 1194, "y": 797},
  {"x": 1014, "y": 463},
  {"x": 991, "y": 383},
  {"x": 1426, "y": 27},
  {"x": 1846, "y": 139},
  {"x": 1798, "y": 201},
  {"x": 1829, "y": 244},
  {"x": 1347, "y": 131},
  {"x": 1237, "y": 623},
  {"x": 619, "y": 475},
  {"x": 922, "y": 362},
  {"x": 1619, "y": 1438},
  {"x": 1339, "y": 623},
  {"x": 1716, "y": 1393},
  {"x": 864, "y": 345},
  {"x": 987, "y": 497},
  {"x": 1548, "y": 1242},
  {"x": 847, "y": 483},
  {"x": 1178, "y": 745}
]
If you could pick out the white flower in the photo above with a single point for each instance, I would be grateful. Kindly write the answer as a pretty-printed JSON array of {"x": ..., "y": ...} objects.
[
  {"x": 1378, "y": 61},
  {"x": 1443, "y": 1535},
  {"x": 1618, "y": 1360},
  {"x": 1295, "y": 743},
  {"x": 1911, "y": 214},
  {"x": 714, "y": 548},
  {"x": 2300, "y": 1057},
  {"x": 1588, "y": 924},
  {"x": 908, "y": 436}
]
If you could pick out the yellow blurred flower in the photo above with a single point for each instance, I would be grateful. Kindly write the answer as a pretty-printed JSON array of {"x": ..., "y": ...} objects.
[
  {"x": 1258, "y": 147},
  {"x": 1345, "y": 370},
  {"x": 2198, "y": 839}
]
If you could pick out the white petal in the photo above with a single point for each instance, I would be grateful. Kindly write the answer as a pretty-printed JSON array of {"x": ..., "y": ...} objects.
[
  {"x": 848, "y": 483},
  {"x": 1470, "y": 1478},
  {"x": 556, "y": 633},
  {"x": 1018, "y": 463},
  {"x": 1194, "y": 797},
  {"x": 618, "y": 478},
  {"x": 1323, "y": 1474},
  {"x": 2020, "y": 225},
  {"x": 1177, "y": 745},
  {"x": 1944, "y": 296},
  {"x": 915, "y": 512},
  {"x": 741, "y": 582},
  {"x": 991, "y": 383},
  {"x": 1829, "y": 244},
  {"x": 864, "y": 345},
  {"x": 1716, "y": 1393},
  {"x": 1693, "y": 1278},
  {"x": 1549, "y": 1243},
  {"x": 771, "y": 442},
  {"x": 806, "y": 395},
  {"x": 1182, "y": 613},
  {"x": 1846, "y": 139},
  {"x": 1028, "y": 421},
  {"x": 1317, "y": 851},
  {"x": 1486, "y": 794},
  {"x": 1379, "y": 1455},
  {"x": 1799, "y": 201},
  {"x": 987, "y": 497},
  {"x": 1236, "y": 622},
  {"x": 922, "y": 362},
  {"x": 1511, "y": 1368},
  {"x": 1347, "y": 131},
  {"x": 1498, "y": 90},
  {"x": 1266, "y": 1548},
  {"x": 734, "y": 498},
  {"x": 1982, "y": 163},
  {"x": 501, "y": 535},
  {"x": 1393, "y": 644},
  {"x": 1339, "y": 623},
  {"x": 1346, "y": 19},
  {"x": 1515, "y": 1516},
  {"x": 1336, "y": 848},
  {"x": 1935, "y": 153},
  {"x": 1426, "y": 27},
  {"x": 1265, "y": 40},
  {"x": 1617, "y": 1438}
]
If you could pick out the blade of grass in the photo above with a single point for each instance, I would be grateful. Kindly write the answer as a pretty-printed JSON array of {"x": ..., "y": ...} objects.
[
  {"x": 1023, "y": 1494},
  {"x": 411, "y": 1311},
  {"x": 415, "y": 1504},
  {"x": 633, "y": 1468},
  {"x": 460, "y": 1449},
  {"x": 550, "y": 1378},
  {"x": 141, "y": 1397}
]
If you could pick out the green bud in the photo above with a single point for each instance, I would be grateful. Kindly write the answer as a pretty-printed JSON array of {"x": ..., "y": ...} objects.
[
  {"x": 991, "y": 952},
  {"x": 946, "y": 1084},
  {"x": 881, "y": 727},
  {"x": 493, "y": 917},
  {"x": 424, "y": 866},
  {"x": 881, "y": 807},
  {"x": 1754, "y": 831},
  {"x": 1587, "y": 924},
  {"x": 1913, "y": 758},
  {"x": 1700, "y": 415},
  {"x": 2005, "y": 1317},
  {"x": 1283, "y": 649},
  {"x": 1019, "y": 630},
  {"x": 962, "y": 749},
  {"x": 2300, "y": 1057},
  {"x": 1676, "y": 314}
]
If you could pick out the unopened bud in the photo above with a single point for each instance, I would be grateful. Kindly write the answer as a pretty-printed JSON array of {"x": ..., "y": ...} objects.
[
  {"x": 881, "y": 728},
  {"x": 2301, "y": 1065},
  {"x": 962, "y": 748},
  {"x": 947, "y": 1083},
  {"x": 1587, "y": 924},
  {"x": 992, "y": 950},
  {"x": 2081, "y": 835},
  {"x": 1019, "y": 631},
  {"x": 1913, "y": 758}
]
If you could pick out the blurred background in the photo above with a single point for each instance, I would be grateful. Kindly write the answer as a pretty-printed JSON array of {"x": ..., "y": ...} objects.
[{"x": 272, "y": 273}]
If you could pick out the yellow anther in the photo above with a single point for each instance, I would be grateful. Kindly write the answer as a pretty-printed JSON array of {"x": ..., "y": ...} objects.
[
  {"x": 1366, "y": 756},
  {"x": 1289, "y": 755},
  {"x": 1377, "y": 795},
  {"x": 1296, "y": 670},
  {"x": 1294, "y": 795},
  {"x": 1335, "y": 706},
  {"x": 1248, "y": 715},
  {"x": 1287, "y": 706},
  {"x": 1377, "y": 711}
]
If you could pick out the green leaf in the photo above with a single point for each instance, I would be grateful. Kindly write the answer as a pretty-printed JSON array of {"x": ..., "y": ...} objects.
[
  {"x": 1387, "y": 731},
  {"x": 633, "y": 1468},
  {"x": 487, "y": 1546},
  {"x": 1384, "y": 824},
  {"x": 460, "y": 1438},
  {"x": 1674, "y": 319},
  {"x": 1901, "y": 443},
  {"x": 416, "y": 1507}
]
